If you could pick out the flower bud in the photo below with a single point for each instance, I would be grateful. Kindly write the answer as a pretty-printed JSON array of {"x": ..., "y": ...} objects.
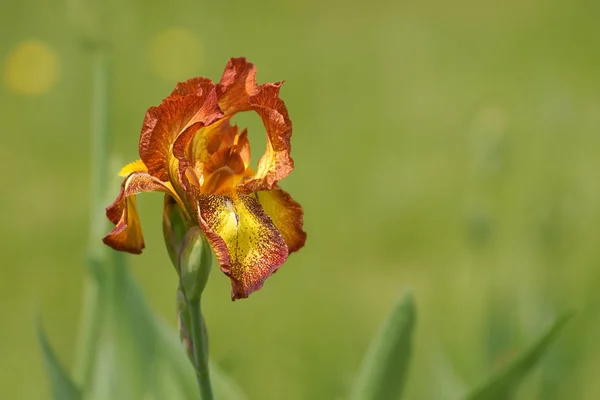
[
  {"x": 195, "y": 259},
  {"x": 188, "y": 249},
  {"x": 175, "y": 225}
]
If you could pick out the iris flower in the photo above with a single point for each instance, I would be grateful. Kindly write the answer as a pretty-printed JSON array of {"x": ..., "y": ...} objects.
[{"x": 190, "y": 151}]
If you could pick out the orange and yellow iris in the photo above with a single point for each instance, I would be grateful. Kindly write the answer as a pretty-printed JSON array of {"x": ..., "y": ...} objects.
[{"x": 190, "y": 151}]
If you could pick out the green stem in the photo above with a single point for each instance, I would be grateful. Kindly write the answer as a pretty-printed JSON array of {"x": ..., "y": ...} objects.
[
  {"x": 91, "y": 310},
  {"x": 99, "y": 145},
  {"x": 199, "y": 339}
]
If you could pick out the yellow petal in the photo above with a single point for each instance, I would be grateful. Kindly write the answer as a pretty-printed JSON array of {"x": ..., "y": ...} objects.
[
  {"x": 286, "y": 214},
  {"x": 247, "y": 244},
  {"x": 136, "y": 166}
]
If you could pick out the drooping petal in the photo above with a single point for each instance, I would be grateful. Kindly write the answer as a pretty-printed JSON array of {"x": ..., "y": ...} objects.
[
  {"x": 247, "y": 244},
  {"x": 192, "y": 104},
  {"x": 287, "y": 216},
  {"x": 127, "y": 233}
]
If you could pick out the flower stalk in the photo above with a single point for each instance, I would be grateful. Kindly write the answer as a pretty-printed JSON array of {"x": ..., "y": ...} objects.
[
  {"x": 199, "y": 339},
  {"x": 192, "y": 258},
  {"x": 214, "y": 199}
]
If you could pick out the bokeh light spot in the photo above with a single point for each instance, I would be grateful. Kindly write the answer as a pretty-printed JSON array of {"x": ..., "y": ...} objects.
[
  {"x": 31, "y": 68},
  {"x": 175, "y": 54}
]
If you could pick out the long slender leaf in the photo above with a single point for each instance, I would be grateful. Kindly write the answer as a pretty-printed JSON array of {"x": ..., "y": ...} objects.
[
  {"x": 504, "y": 385},
  {"x": 384, "y": 369},
  {"x": 61, "y": 384}
]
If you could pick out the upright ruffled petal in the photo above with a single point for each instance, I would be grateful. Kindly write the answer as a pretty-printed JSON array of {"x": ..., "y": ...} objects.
[
  {"x": 287, "y": 216},
  {"x": 237, "y": 91},
  {"x": 276, "y": 163},
  {"x": 192, "y": 105},
  {"x": 199, "y": 86},
  {"x": 247, "y": 244},
  {"x": 127, "y": 233},
  {"x": 237, "y": 84}
]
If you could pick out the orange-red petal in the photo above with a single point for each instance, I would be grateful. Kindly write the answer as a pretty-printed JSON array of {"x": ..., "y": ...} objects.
[
  {"x": 237, "y": 91},
  {"x": 237, "y": 84},
  {"x": 276, "y": 163},
  {"x": 191, "y": 105},
  {"x": 127, "y": 233},
  {"x": 287, "y": 216},
  {"x": 247, "y": 244},
  {"x": 198, "y": 86}
]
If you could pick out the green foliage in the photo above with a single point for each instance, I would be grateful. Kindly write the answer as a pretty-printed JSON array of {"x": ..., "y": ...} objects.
[
  {"x": 138, "y": 357},
  {"x": 460, "y": 147},
  {"x": 384, "y": 370},
  {"x": 385, "y": 366},
  {"x": 504, "y": 385},
  {"x": 62, "y": 386}
]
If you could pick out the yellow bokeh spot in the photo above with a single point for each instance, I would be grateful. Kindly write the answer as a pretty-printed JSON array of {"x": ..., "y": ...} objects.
[
  {"x": 175, "y": 54},
  {"x": 31, "y": 68}
]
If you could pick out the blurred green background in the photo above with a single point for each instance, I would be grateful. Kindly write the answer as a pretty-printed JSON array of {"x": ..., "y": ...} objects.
[{"x": 450, "y": 147}]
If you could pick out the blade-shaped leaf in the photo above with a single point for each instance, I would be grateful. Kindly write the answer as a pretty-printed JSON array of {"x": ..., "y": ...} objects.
[
  {"x": 61, "y": 384},
  {"x": 148, "y": 356},
  {"x": 503, "y": 385},
  {"x": 384, "y": 369}
]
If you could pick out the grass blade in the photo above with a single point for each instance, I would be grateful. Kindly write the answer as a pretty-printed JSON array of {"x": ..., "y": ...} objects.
[
  {"x": 384, "y": 369},
  {"x": 62, "y": 386},
  {"x": 503, "y": 385}
]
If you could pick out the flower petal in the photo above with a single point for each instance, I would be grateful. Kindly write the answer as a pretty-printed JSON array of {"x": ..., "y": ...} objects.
[
  {"x": 127, "y": 233},
  {"x": 191, "y": 106},
  {"x": 198, "y": 85},
  {"x": 200, "y": 151},
  {"x": 286, "y": 214},
  {"x": 237, "y": 84},
  {"x": 276, "y": 163},
  {"x": 135, "y": 166},
  {"x": 247, "y": 244},
  {"x": 237, "y": 91}
]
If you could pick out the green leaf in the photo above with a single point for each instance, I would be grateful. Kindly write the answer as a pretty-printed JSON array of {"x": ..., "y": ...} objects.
[
  {"x": 61, "y": 384},
  {"x": 140, "y": 356},
  {"x": 504, "y": 385},
  {"x": 384, "y": 369}
]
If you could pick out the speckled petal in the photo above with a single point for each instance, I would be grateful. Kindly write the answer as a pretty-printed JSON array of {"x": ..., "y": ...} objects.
[
  {"x": 191, "y": 106},
  {"x": 286, "y": 214},
  {"x": 247, "y": 244}
]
